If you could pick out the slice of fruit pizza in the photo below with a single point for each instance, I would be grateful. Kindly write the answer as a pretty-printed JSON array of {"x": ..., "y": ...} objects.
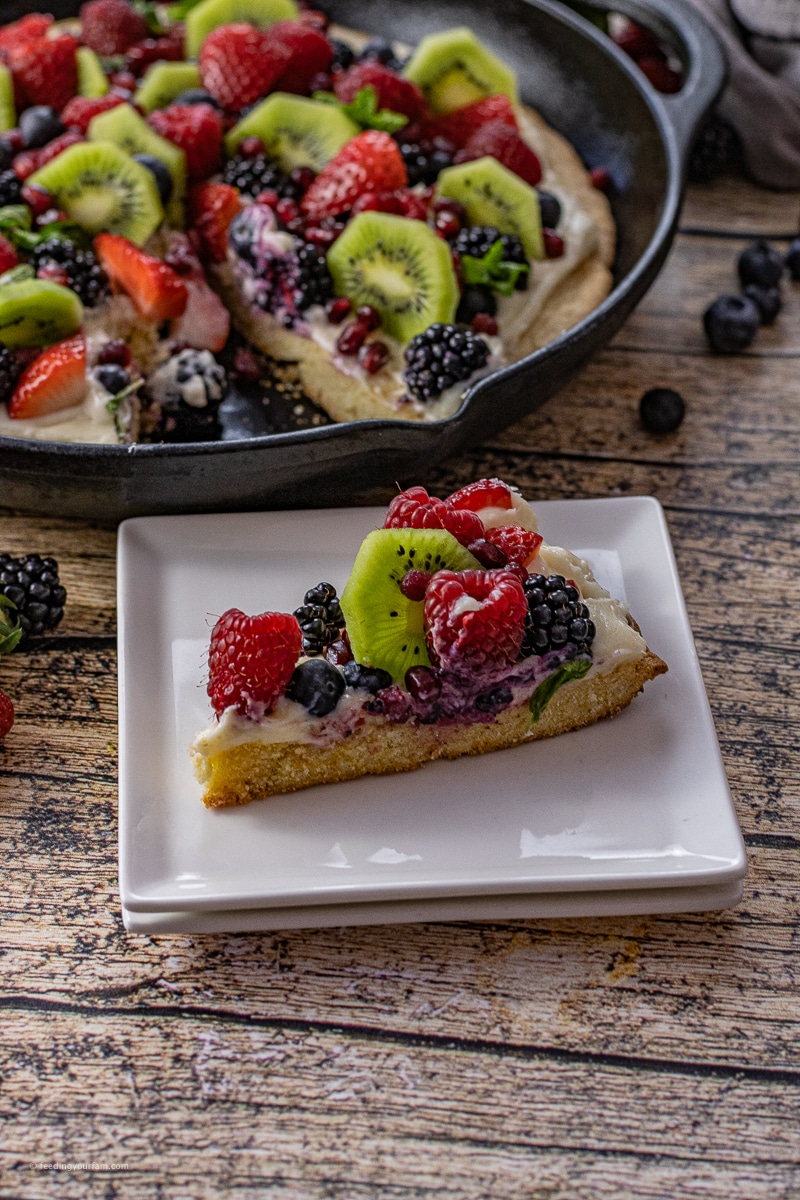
[
  {"x": 395, "y": 222},
  {"x": 459, "y": 631}
]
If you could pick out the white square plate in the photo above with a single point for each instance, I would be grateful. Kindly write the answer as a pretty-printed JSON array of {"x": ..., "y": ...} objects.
[{"x": 640, "y": 802}]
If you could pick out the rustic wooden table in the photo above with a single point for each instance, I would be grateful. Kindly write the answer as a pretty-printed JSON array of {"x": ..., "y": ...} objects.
[{"x": 649, "y": 1057}]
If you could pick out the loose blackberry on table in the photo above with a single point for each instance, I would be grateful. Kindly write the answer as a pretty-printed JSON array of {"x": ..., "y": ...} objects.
[
  {"x": 557, "y": 617},
  {"x": 439, "y": 357},
  {"x": 32, "y": 584},
  {"x": 84, "y": 274}
]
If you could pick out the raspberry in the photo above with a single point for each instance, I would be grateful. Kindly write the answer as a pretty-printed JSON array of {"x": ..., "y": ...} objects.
[
  {"x": 393, "y": 92},
  {"x": 212, "y": 207},
  {"x": 111, "y": 26},
  {"x": 305, "y": 51},
  {"x": 369, "y": 162},
  {"x": 415, "y": 509},
  {"x": 81, "y": 109},
  {"x": 251, "y": 660},
  {"x": 237, "y": 66},
  {"x": 46, "y": 72},
  {"x": 6, "y": 715},
  {"x": 461, "y": 636},
  {"x": 197, "y": 130},
  {"x": 519, "y": 545},
  {"x": 459, "y": 126},
  {"x": 499, "y": 140},
  {"x": 483, "y": 493}
]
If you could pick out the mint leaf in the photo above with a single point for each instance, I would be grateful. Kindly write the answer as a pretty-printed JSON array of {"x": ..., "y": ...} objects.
[
  {"x": 17, "y": 274},
  {"x": 363, "y": 109},
  {"x": 149, "y": 10},
  {"x": 9, "y": 634},
  {"x": 113, "y": 404},
  {"x": 176, "y": 12},
  {"x": 492, "y": 271},
  {"x": 15, "y": 216},
  {"x": 575, "y": 669}
]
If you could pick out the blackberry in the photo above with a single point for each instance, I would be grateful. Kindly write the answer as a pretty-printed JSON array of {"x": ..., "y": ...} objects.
[
  {"x": 259, "y": 174},
  {"x": 319, "y": 617},
  {"x": 85, "y": 275},
  {"x": 716, "y": 149},
  {"x": 9, "y": 373},
  {"x": 557, "y": 617},
  {"x": 478, "y": 240},
  {"x": 343, "y": 56},
  {"x": 439, "y": 357},
  {"x": 371, "y": 679},
  {"x": 32, "y": 584},
  {"x": 10, "y": 188},
  {"x": 379, "y": 50},
  {"x": 286, "y": 281},
  {"x": 312, "y": 281},
  {"x": 424, "y": 160}
]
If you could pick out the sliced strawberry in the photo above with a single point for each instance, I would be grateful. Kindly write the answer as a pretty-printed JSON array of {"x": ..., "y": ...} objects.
[
  {"x": 206, "y": 322},
  {"x": 505, "y": 144},
  {"x": 212, "y": 207},
  {"x": 197, "y": 130},
  {"x": 8, "y": 255},
  {"x": 370, "y": 162},
  {"x": 157, "y": 292},
  {"x": 46, "y": 71},
  {"x": 55, "y": 380},
  {"x": 81, "y": 109},
  {"x": 459, "y": 126},
  {"x": 306, "y": 53},
  {"x": 251, "y": 660},
  {"x": 237, "y": 65},
  {"x": 111, "y": 26},
  {"x": 483, "y": 493},
  {"x": 395, "y": 93}
]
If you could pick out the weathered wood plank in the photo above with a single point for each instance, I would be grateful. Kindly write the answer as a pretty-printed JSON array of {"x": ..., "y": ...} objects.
[{"x": 734, "y": 205}]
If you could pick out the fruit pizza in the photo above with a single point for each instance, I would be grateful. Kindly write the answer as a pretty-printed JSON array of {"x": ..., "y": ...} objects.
[
  {"x": 460, "y": 630},
  {"x": 190, "y": 192}
]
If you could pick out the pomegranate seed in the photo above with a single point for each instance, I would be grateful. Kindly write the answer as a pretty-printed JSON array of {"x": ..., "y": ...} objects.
[
  {"x": 268, "y": 197},
  {"x": 286, "y": 210},
  {"x": 38, "y": 199},
  {"x": 373, "y": 356},
  {"x": 369, "y": 316},
  {"x": 303, "y": 177},
  {"x": 25, "y": 164},
  {"x": 414, "y": 583},
  {"x": 487, "y": 554},
  {"x": 181, "y": 259},
  {"x": 600, "y": 179},
  {"x": 54, "y": 272},
  {"x": 324, "y": 238},
  {"x": 125, "y": 80},
  {"x": 14, "y": 140},
  {"x": 351, "y": 339},
  {"x": 447, "y": 225},
  {"x": 246, "y": 366},
  {"x": 483, "y": 323},
  {"x": 517, "y": 569},
  {"x": 251, "y": 147},
  {"x": 339, "y": 652},
  {"x": 443, "y": 204},
  {"x": 553, "y": 244},
  {"x": 116, "y": 352},
  {"x": 337, "y": 309},
  {"x": 422, "y": 684}
]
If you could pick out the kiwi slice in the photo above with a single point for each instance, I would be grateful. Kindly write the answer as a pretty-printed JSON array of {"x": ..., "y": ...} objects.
[
  {"x": 37, "y": 312},
  {"x": 91, "y": 76},
  {"x": 125, "y": 128},
  {"x": 385, "y": 628},
  {"x": 8, "y": 112},
  {"x": 210, "y": 13},
  {"x": 493, "y": 195},
  {"x": 100, "y": 187},
  {"x": 398, "y": 266},
  {"x": 453, "y": 69},
  {"x": 162, "y": 82},
  {"x": 298, "y": 132}
]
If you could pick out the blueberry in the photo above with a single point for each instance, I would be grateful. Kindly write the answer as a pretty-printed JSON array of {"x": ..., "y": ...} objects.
[
  {"x": 316, "y": 685},
  {"x": 39, "y": 125},
  {"x": 378, "y": 50},
  {"x": 551, "y": 210},
  {"x": 792, "y": 256},
  {"x": 196, "y": 96},
  {"x": 160, "y": 172},
  {"x": 475, "y": 299},
  {"x": 731, "y": 323},
  {"x": 372, "y": 679},
  {"x": 113, "y": 378},
  {"x": 661, "y": 411},
  {"x": 767, "y": 300},
  {"x": 6, "y": 155},
  {"x": 761, "y": 264}
]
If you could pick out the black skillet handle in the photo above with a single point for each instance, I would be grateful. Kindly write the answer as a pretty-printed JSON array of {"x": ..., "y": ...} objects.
[{"x": 705, "y": 68}]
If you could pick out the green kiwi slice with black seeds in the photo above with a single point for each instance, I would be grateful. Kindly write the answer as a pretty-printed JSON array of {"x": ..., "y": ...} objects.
[
  {"x": 37, "y": 312},
  {"x": 493, "y": 195},
  {"x": 400, "y": 267},
  {"x": 100, "y": 187},
  {"x": 296, "y": 131},
  {"x": 162, "y": 82},
  {"x": 209, "y": 14},
  {"x": 385, "y": 628},
  {"x": 125, "y": 128},
  {"x": 453, "y": 69}
]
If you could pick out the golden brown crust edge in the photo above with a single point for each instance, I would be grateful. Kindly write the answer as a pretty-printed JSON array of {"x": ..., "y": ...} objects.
[{"x": 255, "y": 771}]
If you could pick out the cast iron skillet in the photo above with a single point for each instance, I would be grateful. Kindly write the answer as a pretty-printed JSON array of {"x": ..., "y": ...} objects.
[{"x": 587, "y": 90}]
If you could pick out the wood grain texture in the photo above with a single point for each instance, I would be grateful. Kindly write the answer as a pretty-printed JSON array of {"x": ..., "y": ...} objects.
[{"x": 637, "y": 1057}]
